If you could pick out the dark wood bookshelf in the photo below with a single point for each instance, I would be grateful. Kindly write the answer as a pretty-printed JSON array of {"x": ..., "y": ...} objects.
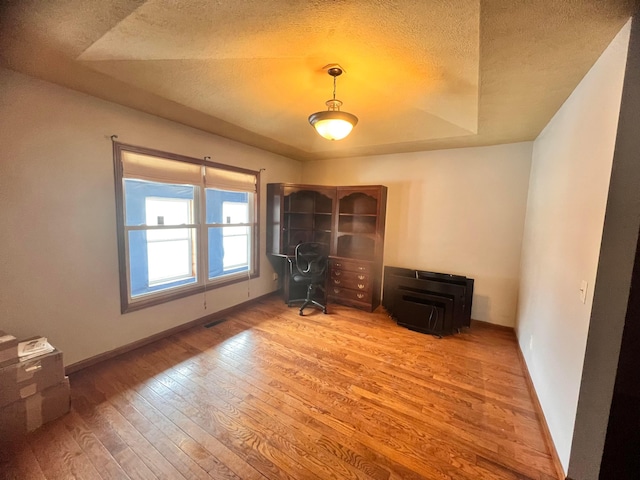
[{"x": 350, "y": 220}]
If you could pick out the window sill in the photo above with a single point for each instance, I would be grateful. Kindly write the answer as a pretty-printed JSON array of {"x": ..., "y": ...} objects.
[{"x": 133, "y": 306}]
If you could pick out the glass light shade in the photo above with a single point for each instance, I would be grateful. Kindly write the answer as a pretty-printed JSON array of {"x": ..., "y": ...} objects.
[{"x": 333, "y": 125}]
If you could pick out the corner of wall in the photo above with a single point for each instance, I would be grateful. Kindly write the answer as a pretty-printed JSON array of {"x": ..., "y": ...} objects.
[{"x": 568, "y": 187}]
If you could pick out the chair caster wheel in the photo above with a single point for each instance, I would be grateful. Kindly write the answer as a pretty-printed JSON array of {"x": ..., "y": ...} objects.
[
  {"x": 300, "y": 313},
  {"x": 324, "y": 311}
]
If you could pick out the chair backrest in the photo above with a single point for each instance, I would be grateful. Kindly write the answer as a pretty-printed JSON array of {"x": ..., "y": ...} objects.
[{"x": 311, "y": 258}]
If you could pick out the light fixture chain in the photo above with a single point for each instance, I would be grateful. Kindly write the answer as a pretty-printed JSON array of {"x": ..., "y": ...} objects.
[{"x": 334, "y": 87}]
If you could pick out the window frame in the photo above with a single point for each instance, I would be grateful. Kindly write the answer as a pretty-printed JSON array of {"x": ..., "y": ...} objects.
[
  {"x": 208, "y": 226},
  {"x": 189, "y": 239},
  {"x": 203, "y": 283}
]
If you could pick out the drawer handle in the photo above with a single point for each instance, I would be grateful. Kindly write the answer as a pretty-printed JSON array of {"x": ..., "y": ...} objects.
[
  {"x": 336, "y": 281},
  {"x": 360, "y": 295},
  {"x": 33, "y": 368},
  {"x": 336, "y": 290},
  {"x": 337, "y": 274},
  {"x": 361, "y": 286},
  {"x": 338, "y": 264},
  {"x": 362, "y": 269},
  {"x": 361, "y": 277}
]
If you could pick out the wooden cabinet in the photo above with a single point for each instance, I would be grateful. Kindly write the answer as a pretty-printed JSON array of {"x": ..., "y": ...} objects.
[
  {"x": 350, "y": 220},
  {"x": 298, "y": 214},
  {"x": 356, "y": 266}
]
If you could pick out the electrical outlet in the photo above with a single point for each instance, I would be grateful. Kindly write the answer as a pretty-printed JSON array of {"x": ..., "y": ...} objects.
[
  {"x": 583, "y": 291},
  {"x": 531, "y": 342},
  {"x": 275, "y": 276}
]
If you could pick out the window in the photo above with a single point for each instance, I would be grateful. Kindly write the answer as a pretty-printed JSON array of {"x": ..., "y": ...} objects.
[
  {"x": 184, "y": 225},
  {"x": 170, "y": 252},
  {"x": 228, "y": 222}
]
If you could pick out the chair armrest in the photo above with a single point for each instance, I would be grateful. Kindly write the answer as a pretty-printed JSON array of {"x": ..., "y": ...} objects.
[{"x": 292, "y": 264}]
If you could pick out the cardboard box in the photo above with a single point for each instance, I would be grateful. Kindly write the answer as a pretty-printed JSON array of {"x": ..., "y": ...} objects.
[
  {"x": 28, "y": 414},
  {"x": 8, "y": 348},
  {"x": 19, "y": 380}
]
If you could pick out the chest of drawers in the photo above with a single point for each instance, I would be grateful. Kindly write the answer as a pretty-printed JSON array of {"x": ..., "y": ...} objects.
[{"x": 353, "y": 282}]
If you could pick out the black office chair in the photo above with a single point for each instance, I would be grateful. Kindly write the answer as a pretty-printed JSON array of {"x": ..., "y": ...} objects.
[{"x": 309, "y": 267}]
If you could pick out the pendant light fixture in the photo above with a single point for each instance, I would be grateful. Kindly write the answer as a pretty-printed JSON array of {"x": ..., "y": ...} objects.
[{"x": 333, "y": 124}]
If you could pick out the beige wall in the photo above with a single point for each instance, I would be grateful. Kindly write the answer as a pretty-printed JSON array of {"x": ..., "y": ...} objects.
[
  {"x": 570, "y": 174},
  {"x": 457, "y": 211},
  {"x": 58, "y": 261}
]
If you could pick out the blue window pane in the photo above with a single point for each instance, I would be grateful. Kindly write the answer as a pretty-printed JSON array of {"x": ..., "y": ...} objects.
[
  {"x": 228, "y": 246},
  {"x": 170, "y": 255},
  {"x": 141, "y": 253},
  {"x": 216, "y": 200},
  {"x": 160, "y": 259},
  {"x": 229, "y": 250},
  {"x": 138, "y": 193}
]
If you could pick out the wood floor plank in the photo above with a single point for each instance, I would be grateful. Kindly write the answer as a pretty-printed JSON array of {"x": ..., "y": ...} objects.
[
  {"x": 289, "y": 392},
  {"x": 196, "y": 452},
  {"x": 220, "y": 459},
  {"x": 335, "y": 435},
  {"x": 235, "y": 429},
  {"x": 91, "y": 414},
  {"x": 374, "y": 428},
  {"x": 287, "y": 434},
  {"x": 351, "y": 408},
  {"x": 17, "y": 461},
  {"x": 99, "y": 456},
  {"x": 60, "y": 456},
  {"x": 268, "y": 394},
  {"x": 524, "y": 466},
  {"x": 188, "y": 468},
  {"x": 134, "y": 438},
  {"x": 260, "y": 398},
  {"x": 246, "y": 444}
]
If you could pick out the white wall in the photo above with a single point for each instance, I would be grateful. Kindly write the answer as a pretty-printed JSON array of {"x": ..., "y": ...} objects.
[
  {"x": 457, "y": 211},
  {"x": 58, "y": 255},
  {"x": 570, "y": 173}
]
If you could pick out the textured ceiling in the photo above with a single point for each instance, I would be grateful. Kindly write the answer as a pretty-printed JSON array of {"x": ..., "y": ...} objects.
[{"x": 420, "y": 75}]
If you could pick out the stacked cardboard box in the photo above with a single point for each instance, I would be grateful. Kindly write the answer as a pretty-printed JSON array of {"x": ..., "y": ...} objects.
[
  {"x": 8, "y": 348},
  {"x": 32, "y": 392}
]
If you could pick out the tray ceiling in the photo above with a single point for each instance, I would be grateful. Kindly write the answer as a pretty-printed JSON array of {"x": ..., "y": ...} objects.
[{"x": 419, "y": 75}]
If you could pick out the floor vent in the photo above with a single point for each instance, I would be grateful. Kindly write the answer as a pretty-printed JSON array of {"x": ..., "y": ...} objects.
[{"x": 214, "y": 323}]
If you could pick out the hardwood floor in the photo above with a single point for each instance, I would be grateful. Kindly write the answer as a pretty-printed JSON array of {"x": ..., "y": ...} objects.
[{"x": 270, "y": 394}]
